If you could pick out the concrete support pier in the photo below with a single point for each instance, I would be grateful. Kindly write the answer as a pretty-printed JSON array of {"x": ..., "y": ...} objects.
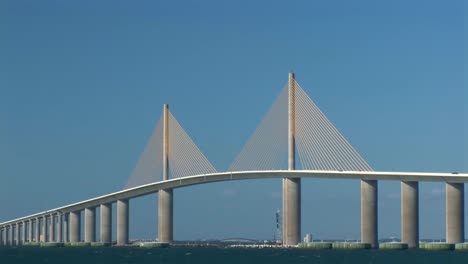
[
  {"x": 23, "y": 232},
  {"x": 291, "y": 186},
  {"x": 165, "y": 202},
  {"x": 37, "y": 230},
  {"x": 122, "y": 222},
  {"x": 17, "y": 234},
  {"x": 30, "y": 230},
  {"x": 106, "y": 223},
  {"x": 44, "y": 229},
  {"x": 454, "y": 217},
  {"x": 410, "y": 213},
  {"x": 75, "y": 226},
  {"x": 165, "y": 216},
  {"x": 51, "y": 237},
  {"x": 369, "y": 229},
  {"x": 90, "y": 225},
  {"x": 10, "y": 235},
  {"x": 58, "y": 229},
  {"x": 66, "y": 227}
]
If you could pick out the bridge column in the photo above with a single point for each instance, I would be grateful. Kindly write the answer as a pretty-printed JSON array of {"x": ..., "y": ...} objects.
[
  {"x": 75, "y": 226},
  {"x": 30, "y": 229},
  {"x": 410, "y": 213},
  {"x": 90, "y": 225},
  {"x": 66, "y": 227},
  {"x": 165, "y": 216},
  {"x": 17, "y": 234},
  {"x": 2, "y": 233},
  {"x": 106, "y": 223},
  {"x": 59, "y": 228},
  {"x": 165, "y": 203},
  {"x": 23, "y": 232},
  {"x": 37, "y": 230},
  {"x": 44, "y": 229},
  {"x": 369, "y": 229},
  {"x": 291, "y": 186},
  {"x": 122, "y": 222},
  {"x": 454, "y": 218},
  {"x": 4, "y": 236},
  {"x": 51, "y": 228},
  {"x": 10, "y": 235}
]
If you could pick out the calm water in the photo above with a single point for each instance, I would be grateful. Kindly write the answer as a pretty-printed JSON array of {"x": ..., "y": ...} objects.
[{"x": 221, "y": 256}]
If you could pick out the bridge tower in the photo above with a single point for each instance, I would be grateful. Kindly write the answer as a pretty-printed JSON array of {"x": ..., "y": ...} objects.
[
  {"x": 291, "y": 186},
  {"x": 165, "y": 208}
]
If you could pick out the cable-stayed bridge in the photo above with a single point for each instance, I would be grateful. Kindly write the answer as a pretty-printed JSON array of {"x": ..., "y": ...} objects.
[{"x": 293, "y": 127}]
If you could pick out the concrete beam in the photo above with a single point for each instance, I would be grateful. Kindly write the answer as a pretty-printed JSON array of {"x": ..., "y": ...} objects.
[
  {"x": 75, "y": 226},
  {"x": 106, "y": 223},
  {"x": 166, "y": 216},
  {"x": 454, "y": 205},
  {"x": 369, "y": 230},
  {"x": 90, "y": 224},
  {"x": 410, "y": 213},
  {"x": 122, "y": 222}
]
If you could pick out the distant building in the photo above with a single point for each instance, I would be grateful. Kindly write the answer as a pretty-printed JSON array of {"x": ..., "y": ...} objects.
[{"x": 308, "y": 238}]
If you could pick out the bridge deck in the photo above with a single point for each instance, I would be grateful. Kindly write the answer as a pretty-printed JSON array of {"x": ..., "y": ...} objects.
[{"x": 245, "y": 175}]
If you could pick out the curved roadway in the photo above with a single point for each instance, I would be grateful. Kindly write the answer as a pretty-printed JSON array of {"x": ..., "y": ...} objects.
[{"x": 245, "y": 175}]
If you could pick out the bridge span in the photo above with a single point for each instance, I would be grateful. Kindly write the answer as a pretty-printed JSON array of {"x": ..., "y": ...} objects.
[
  {"x": 293, "y": 125},
  {"x": 72, "y": 212}
]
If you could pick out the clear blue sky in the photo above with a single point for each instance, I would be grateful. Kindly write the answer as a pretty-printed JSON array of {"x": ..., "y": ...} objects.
[{"x": 82, "y": 84}]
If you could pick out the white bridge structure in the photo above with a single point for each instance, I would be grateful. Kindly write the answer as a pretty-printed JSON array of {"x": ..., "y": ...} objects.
[{"x": 293, "y": 125}]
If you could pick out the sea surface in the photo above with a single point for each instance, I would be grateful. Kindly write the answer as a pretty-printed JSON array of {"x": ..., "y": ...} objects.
[{"x": 223, "y": 255}]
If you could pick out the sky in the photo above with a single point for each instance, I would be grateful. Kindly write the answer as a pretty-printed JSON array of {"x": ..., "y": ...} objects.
[{"x": 82, "y": 85}]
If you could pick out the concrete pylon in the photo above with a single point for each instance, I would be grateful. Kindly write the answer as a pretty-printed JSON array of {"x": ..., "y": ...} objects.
[
  {"x": 454, "y": 217},
  {"x": 66, "y": 227},
  {"x": 51, "y": 228},
  {"x": 10, "y": 235},
  {"x": 23, "y": 232},
  {"x": 37, "y": 230},
  {"x": 17, "y": 234},
  {"x": 75, "y": 226},
  {"x": 410, "y": 213},
  {"x": 44, "y": 229},
  {"x": 369, "y": 230},
  {"x": 30, "y": 230},
  {"x": 291, "y": 186},
  {"x": 122, "y": 222},
  {"x": 165, "y": 202},
  {"x": 106, "y": 223},
  {"x": 58, "y": 229},
  {"x": 90, "y": 224}
]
